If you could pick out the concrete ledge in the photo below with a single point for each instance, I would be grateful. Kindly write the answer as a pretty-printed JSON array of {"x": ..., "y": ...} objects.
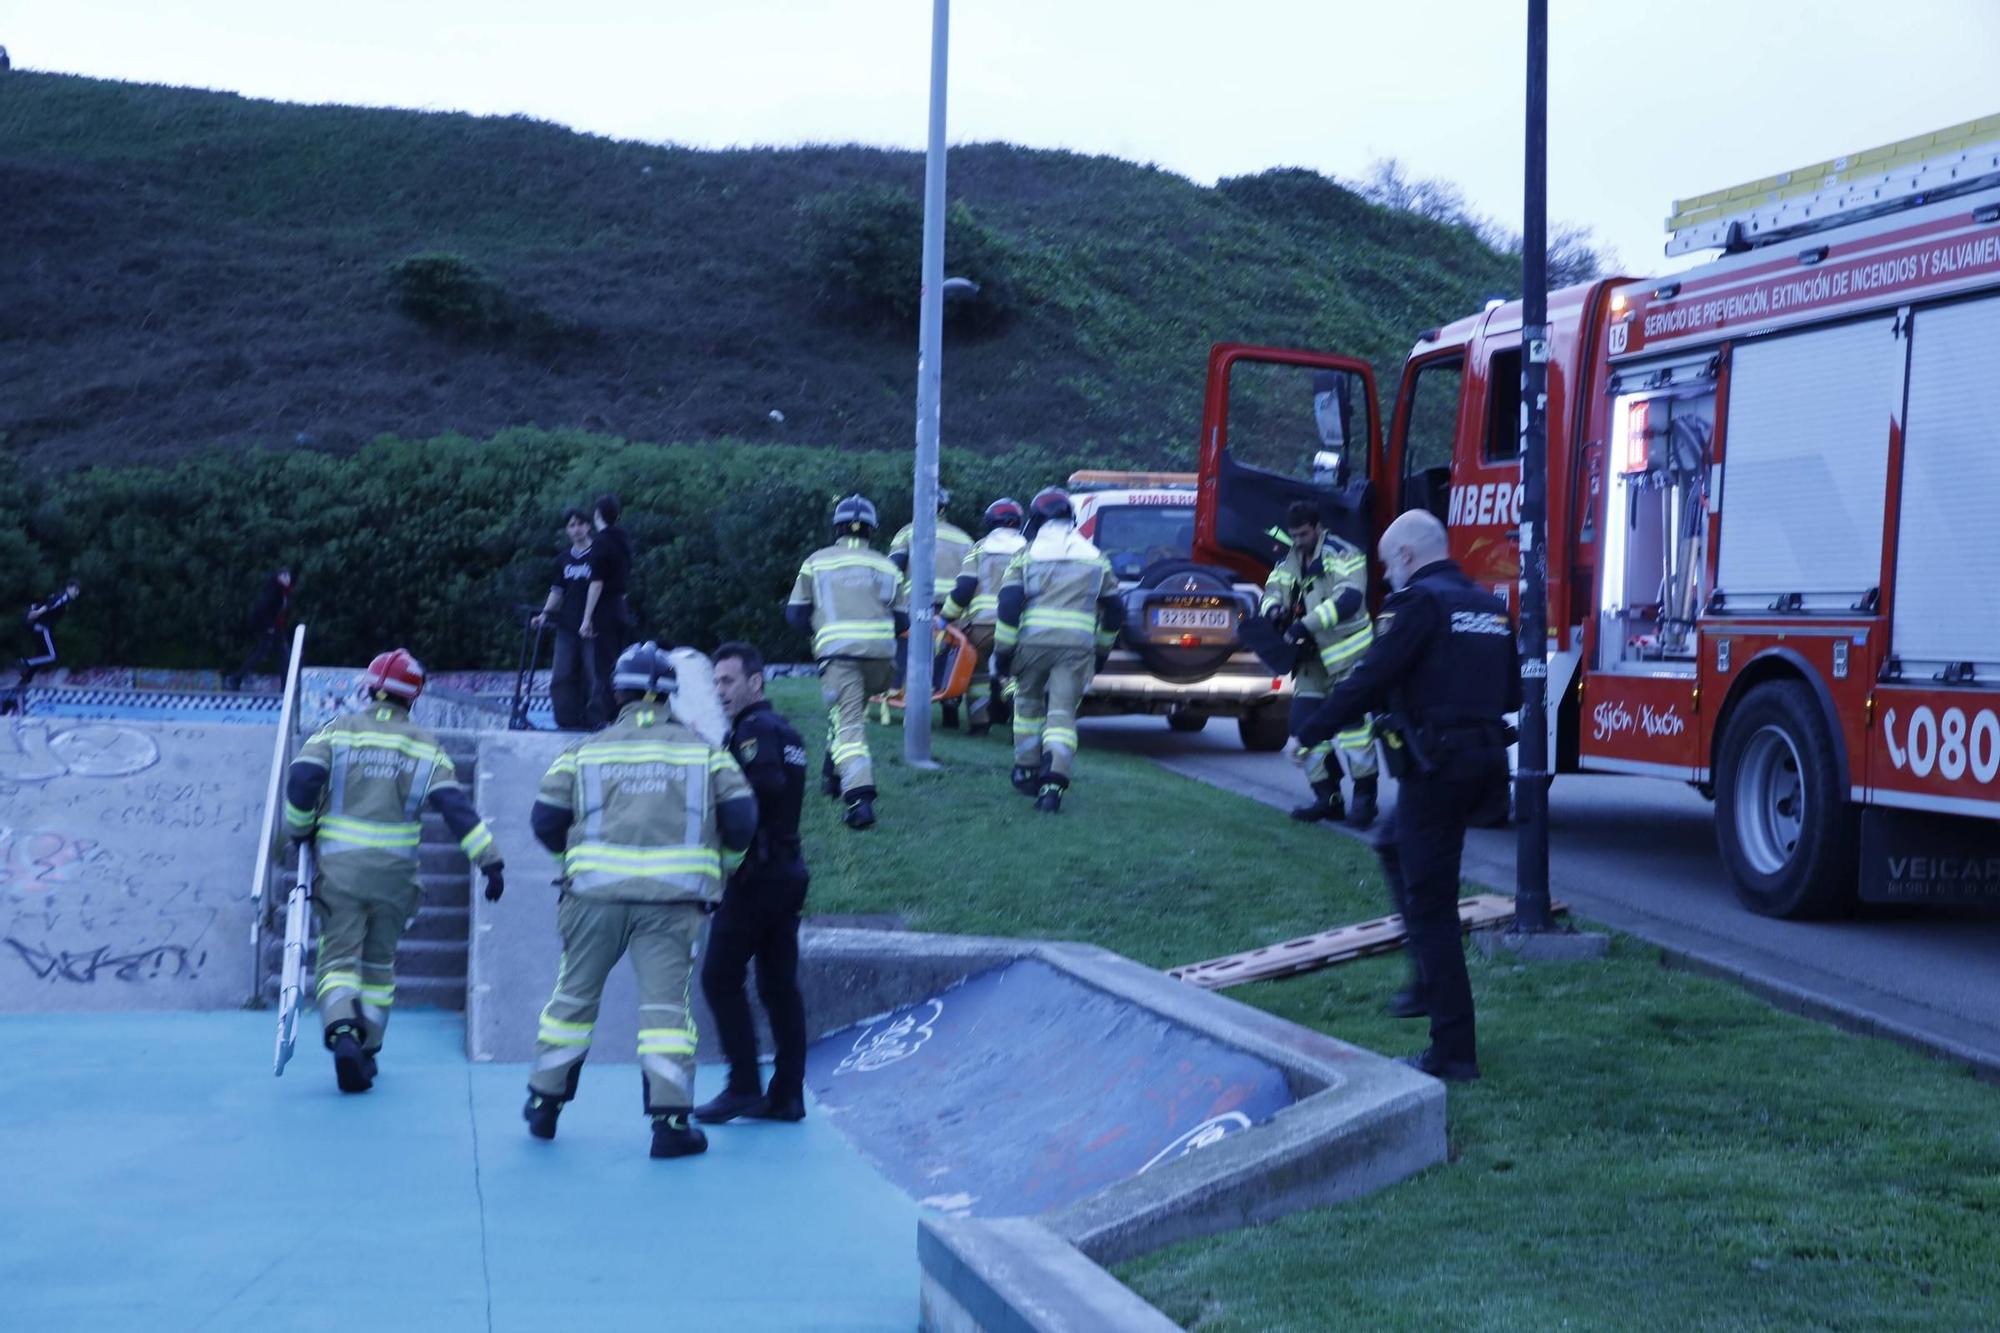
[
  {"x": 1549, "y": 946},
  {"x": 1014, "y": 1275}
]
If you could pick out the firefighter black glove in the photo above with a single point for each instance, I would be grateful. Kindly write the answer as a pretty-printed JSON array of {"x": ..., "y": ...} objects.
[
  {"x": 1298, "y": 634},
  {"x": 496, "y": 884}
]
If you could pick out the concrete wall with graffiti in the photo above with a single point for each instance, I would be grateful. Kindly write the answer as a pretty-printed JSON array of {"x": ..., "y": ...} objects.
[{"x": 126, "y": 853}]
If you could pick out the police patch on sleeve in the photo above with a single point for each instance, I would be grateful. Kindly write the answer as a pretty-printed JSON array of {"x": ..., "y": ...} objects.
[
  {"x": 1383, "y": 622},
  {"x": 746, "y": 750}
]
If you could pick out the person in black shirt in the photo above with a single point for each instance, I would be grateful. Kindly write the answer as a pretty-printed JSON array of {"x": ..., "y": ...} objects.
[
  {"x": 607, "y": 611},
  {"x": 1443, "y": 668},
  {"x": 267, "y": 624},
  {"x": 759, "y": 917},
  {"x": 570, "y": 680},
  {"x": 41, "y": 622}
]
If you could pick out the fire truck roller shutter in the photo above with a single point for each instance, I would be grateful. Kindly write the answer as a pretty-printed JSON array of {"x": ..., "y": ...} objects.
[
  {"x": 1951, "y": 477},
  {"x": 1805, "y": 464}
]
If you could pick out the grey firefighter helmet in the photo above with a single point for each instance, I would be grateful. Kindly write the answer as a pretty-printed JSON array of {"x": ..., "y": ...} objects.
[
  {"x": 855, "y": 517},
  {"x": 645, "y": 668}
]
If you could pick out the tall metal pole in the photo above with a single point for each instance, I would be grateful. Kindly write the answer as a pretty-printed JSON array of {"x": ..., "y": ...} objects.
[
  {"x": 1531, "y": 777},
  {"x": 930, "y": 359}
]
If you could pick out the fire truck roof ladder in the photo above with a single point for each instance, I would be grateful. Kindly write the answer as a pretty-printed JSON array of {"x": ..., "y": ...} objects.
[{"x": 1846, "y": 189}]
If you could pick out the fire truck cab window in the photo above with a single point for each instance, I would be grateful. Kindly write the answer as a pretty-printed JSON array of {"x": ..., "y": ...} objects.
[
  {"x": 1429, "y": 432},
  {"x": 1656, "y": 522},
  {"x": 1503, "y": 407},
  {"x": 1298, "y": 420}
]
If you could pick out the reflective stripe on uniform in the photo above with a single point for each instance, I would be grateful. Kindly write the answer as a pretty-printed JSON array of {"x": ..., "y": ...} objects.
[
  {"x": 1063, "y": 736},
  {"x": 641, "y": 752},
  {"x": 297, "y": 820},
  {"x": 336, "y": 981},
  {"x": 342, "y": 833},
  {"x": 646, "y": 862},
  {"x": 475, "y": 843},
  {"x": 562, "y": 1032},
  {"x": 836, "y": 633},
  {"x": 666, "y": 1041},
  {"x": 385, "y": 740},
  {"x": 1055, "y": 617},
  {"x": 1337, "y": 655}
]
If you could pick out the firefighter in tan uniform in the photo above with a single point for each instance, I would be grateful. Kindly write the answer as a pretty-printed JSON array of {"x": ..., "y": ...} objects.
[
  {"x": 975, "y": 599},
  {"x": 358, "y": 789},
  {"x": 854, "y": 604},
  {"x": 952, "y": 544},
  {"x": 1319, "y": 594},
  {"x": 640, "y": 814},
  {"x": 1059, "y": 608}
]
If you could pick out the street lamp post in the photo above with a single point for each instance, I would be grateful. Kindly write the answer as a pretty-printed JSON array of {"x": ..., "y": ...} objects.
[
  {"x": 1531, "y": 776},
  {"x": 930, "y": 358}
]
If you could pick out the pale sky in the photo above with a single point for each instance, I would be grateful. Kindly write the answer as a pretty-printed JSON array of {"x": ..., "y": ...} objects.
[{"x": 1648, "y": 99}]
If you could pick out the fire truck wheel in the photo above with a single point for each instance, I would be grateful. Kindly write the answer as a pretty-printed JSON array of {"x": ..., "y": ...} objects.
[
  {"x": 1264, "y": 730},
  {"x": 1786, "y": 831}
]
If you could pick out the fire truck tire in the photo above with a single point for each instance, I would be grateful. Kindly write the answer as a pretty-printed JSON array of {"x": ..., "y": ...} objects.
[
  {"x": 1786, "y": 831},
  {"x": 1264, "y": 730},
  {"x": 1186, "y": 722}
]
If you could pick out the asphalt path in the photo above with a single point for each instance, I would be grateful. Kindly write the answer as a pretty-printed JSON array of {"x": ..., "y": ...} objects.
[{"x": 1639, "y": 855}]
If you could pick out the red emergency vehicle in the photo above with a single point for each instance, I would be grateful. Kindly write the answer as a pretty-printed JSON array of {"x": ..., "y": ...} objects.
[{"x": 1774, "y": 513}]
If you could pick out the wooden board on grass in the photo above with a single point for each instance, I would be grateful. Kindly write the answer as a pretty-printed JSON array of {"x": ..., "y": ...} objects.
[{"x": 1342, "y": 944}]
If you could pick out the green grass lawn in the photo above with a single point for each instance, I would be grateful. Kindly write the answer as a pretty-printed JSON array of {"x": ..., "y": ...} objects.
[{"x": 1648, "y": 1149}]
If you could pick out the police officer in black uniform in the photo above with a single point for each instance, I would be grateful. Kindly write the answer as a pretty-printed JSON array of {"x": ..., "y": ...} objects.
[
  {"x": 759, "y": 916},
  {"x": 1443, "y": 671}
]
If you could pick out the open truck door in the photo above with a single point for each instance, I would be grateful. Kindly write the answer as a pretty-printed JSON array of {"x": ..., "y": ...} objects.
[{"x": 1280, "y": 425}]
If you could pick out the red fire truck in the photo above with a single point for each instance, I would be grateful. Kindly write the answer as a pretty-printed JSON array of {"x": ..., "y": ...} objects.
[{"x": 1774, "y": 512}]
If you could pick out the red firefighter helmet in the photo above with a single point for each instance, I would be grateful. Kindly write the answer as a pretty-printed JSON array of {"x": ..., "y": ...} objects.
[
  {"x": 1006, "y": 512},
  {"x": 395, "y": 675},
  {"x": 1051, "y": 502}
]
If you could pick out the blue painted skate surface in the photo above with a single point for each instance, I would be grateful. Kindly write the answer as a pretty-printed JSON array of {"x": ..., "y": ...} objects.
[
  {"x": 157, "y": 1177},
  {"x": 1021, "y": 1090}
]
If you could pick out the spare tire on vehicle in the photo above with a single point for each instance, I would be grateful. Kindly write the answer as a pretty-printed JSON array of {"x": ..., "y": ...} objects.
[{"x": 1160, "y": 651}]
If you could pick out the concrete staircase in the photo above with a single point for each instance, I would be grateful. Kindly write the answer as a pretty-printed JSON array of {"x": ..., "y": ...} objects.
[{"x": 431, "y": 959}]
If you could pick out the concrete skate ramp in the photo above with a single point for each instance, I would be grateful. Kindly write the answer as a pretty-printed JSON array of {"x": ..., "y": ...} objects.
[
  {"x": 1022, "y": 1090},
  {"x": 126, "y": 852}
]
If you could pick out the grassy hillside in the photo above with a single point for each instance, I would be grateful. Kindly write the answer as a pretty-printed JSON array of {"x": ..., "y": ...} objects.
[{"x": 184, "y": 269}]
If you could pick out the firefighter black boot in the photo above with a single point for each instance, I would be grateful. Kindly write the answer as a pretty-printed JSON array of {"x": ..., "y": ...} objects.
[
  {"x": 1325, "y": 803},
  {"x": 1027, "y": 781},
  {"x": 350, "y": 1062},
  {"x": 1050, "y": 801},
  {"x": 675, "y": 1136},
  {"x": 727, "y": 1105},
  {"x": 778, "y": 1104},
  {"x": 950, "y": 707},
  {"x": 1364, "y": 810},
  {"x": 860, "y": 813},
  {"x": 829, "y": 777},
  {"x": 540, "y": 1113}
]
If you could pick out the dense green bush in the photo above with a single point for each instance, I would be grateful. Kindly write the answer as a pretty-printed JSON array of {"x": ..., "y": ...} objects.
[
  {"x": 431, "y": 543},
  {"x": 862, "y": 249},
  {"x": 449, "y": 293}
]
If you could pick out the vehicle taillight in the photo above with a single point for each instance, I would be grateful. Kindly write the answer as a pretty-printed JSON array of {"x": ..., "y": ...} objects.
[
  {"x": 1636, "y": 455},
  {"x": 1190, "y": 641}
]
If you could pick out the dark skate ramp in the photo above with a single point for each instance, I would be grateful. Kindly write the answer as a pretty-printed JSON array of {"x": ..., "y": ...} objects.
[{"x": 1022, "y": 1090}]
